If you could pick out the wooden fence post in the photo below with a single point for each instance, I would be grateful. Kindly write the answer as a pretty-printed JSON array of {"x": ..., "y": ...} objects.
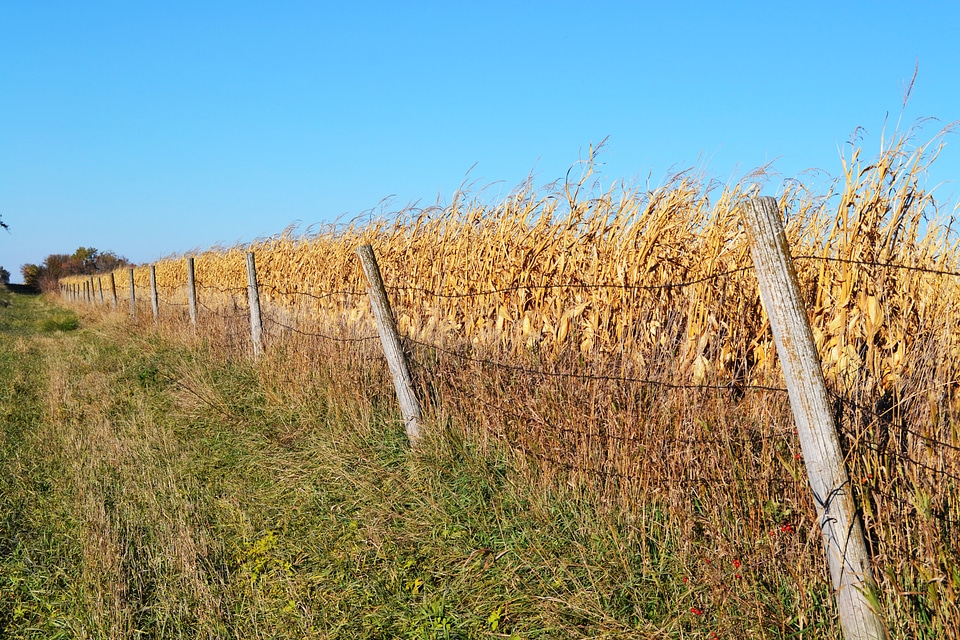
[
  {"x": 113, "y": 290},
  {"x": 133, "y": 296},
  {"x": 847, "y": 556},
  {"x": 192, "y": 292},
  {"x": 256, "y": 322},
  {"x": 100, "y": 287},
  {"x": 392, "y": 347},
  {"x": 154, "y": 298}
]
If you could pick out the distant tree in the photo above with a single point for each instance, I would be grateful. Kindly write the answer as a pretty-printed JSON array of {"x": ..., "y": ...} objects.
[
  {"x": 32, "y": 274},
  {"x": 4, "y": 276},
  {"x": 83, "y": 261}
]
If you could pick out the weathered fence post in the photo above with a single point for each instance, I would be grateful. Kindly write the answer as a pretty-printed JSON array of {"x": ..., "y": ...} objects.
[
  {"x": 100, "y": 287},
  {"x": 256, "y": 322},
  {"x": 113, "y": 290},
  {"x": 847, "y": 556},
  {"x": 154, "y": 298},
  {"x": 133, "y": 296},
  {"x": 392, "y": 347},
  {"x": 192, "y": 292}
]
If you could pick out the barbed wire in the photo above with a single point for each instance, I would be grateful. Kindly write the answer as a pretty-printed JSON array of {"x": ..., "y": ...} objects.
[
  {"x": 876, "y": 491},
  {"x": 731, "y": 387},
  {"x": 886, "y": 416},
  {"x": 568, "y": 285},
  {"x": 905, "y": 458},
  {"x": 746, "y": 440},
  {"x": 669, "y": 285},
  {"x": 874, "y": 263},
  {"x": 319, "y": 335},
  {"x": 237, "y": 313},
  {"x": 323, "y": 295},
  {"x": 230, "y": 290},
  {"x": 516, "y": 444},
  {"x": 162, "y": 300}
]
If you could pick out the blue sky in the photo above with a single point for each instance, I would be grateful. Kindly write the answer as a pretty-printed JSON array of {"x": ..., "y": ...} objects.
[{"x": 153, "y": 128}]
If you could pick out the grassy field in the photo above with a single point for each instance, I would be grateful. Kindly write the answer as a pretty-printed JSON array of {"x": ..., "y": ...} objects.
[{"x": 156, "y": 488}]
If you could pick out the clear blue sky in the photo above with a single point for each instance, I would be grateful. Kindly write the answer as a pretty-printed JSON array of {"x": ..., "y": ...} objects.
[{"x": 152, "y": 128}]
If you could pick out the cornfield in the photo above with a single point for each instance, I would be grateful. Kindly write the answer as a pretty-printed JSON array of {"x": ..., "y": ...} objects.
[{"x": 505, "y": 305}]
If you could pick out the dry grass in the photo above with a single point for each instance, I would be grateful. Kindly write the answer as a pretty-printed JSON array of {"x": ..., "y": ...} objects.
[{"x": 568, "y": 281}]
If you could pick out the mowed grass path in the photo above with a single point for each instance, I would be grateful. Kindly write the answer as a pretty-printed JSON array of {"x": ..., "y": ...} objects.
[{"x": 154, "y": 489}]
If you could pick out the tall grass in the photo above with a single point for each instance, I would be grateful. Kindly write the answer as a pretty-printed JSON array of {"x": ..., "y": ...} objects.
[{"x": 562, "y": 327}]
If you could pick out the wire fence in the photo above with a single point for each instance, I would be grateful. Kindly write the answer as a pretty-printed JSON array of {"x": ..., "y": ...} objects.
[{"x": 859, "y": 424}]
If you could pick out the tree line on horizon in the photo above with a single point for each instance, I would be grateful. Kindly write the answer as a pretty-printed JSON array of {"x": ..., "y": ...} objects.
[{"x": 83, "y": 261}]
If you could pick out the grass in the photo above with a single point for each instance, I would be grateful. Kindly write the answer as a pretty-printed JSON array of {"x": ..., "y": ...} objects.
[{"x": 161, "y": 488}]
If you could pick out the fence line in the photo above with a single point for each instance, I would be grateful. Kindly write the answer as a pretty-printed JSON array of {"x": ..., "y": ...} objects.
[
  {"x": 731, "y": 386},
  {"x": 857, "y": 421}
]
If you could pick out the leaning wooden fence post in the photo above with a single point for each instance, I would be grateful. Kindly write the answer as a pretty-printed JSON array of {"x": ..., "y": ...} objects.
[
  {"x": 100, "y": 287},
  {"x": 392, "y": 348},
  {"x": 847, "y": 556},
  {"x": 133, "y": 297},
  {"x": 154, "y": 298},
  {"x": 192, "y": 292},
  {"x": 113, "y": 290},
  {"x": 256, "y": 322}
]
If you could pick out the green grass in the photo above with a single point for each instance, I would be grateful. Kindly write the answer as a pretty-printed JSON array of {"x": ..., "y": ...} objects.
[{"x": 156, "y": 489}]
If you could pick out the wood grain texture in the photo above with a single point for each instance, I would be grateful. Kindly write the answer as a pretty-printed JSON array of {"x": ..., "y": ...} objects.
[
  {"x": 392, "y": 347},
  {"x": 847, "y": 556},
  {"x": 253, "y": 292}
]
